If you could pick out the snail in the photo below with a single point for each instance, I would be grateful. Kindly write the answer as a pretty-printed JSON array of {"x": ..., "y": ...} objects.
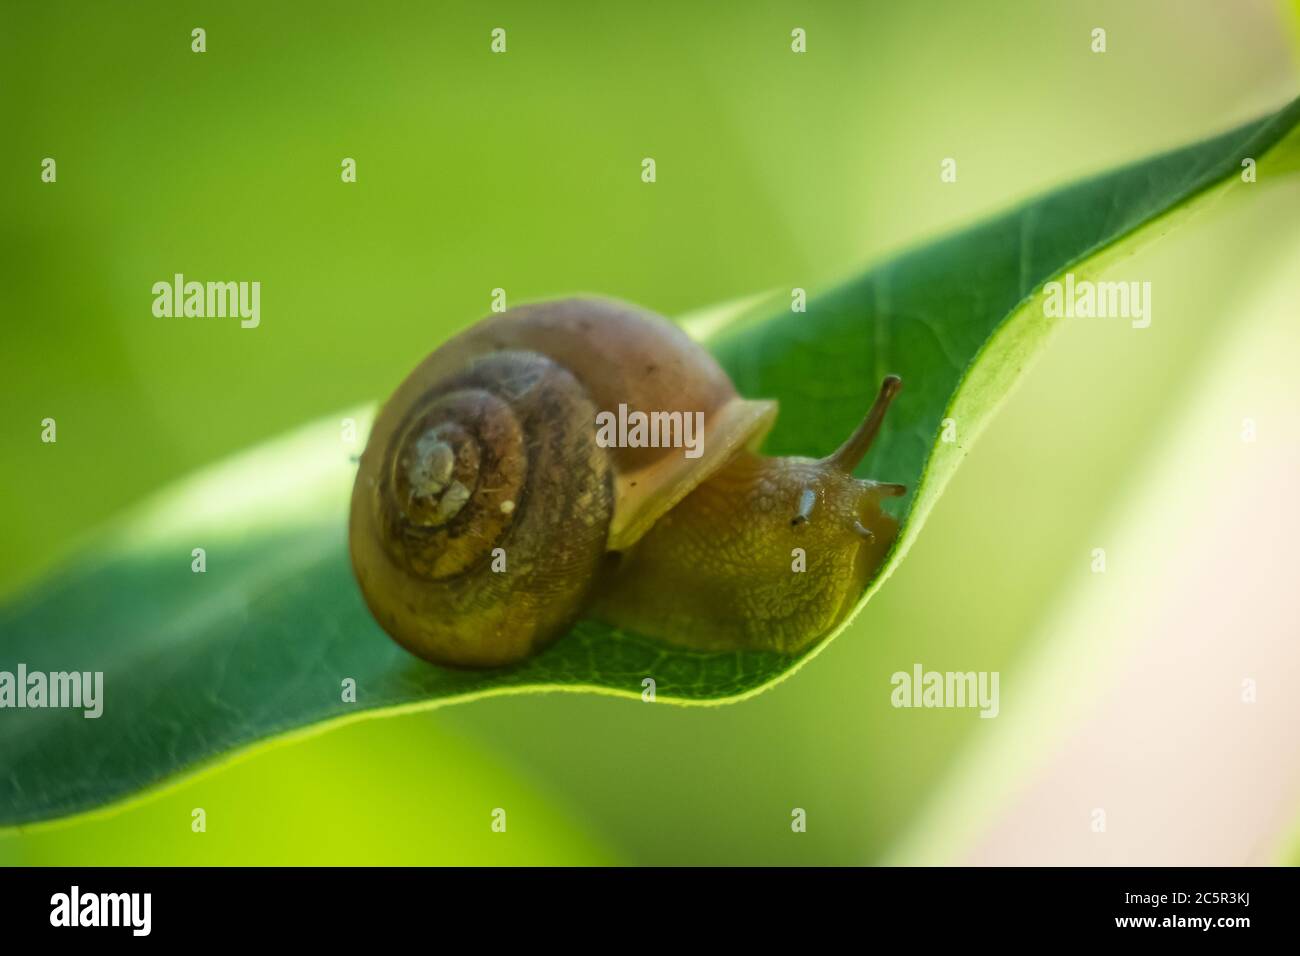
[{"x": 487, "y": 517}]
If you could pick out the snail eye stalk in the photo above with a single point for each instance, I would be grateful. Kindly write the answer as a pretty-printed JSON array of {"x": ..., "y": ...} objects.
[
  {"x": 807, "y": 501},
  {"x": 851, "y": 453}
]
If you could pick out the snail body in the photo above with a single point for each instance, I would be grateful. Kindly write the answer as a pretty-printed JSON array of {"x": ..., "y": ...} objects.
[{"x": 486, "y": 516}]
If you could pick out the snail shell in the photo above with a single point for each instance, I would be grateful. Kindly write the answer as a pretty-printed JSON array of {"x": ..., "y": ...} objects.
[{"x": 487, "y": 454}]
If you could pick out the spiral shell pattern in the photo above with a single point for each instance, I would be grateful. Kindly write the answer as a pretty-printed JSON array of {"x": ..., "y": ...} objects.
[{"x": 481, "y": 509}]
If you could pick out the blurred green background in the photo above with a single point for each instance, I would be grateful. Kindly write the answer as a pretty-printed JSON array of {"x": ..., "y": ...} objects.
[{"x": 522, "y": 171}]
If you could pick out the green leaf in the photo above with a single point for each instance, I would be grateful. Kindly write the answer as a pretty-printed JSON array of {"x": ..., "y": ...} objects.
[{"x": 198, "y": 666}]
